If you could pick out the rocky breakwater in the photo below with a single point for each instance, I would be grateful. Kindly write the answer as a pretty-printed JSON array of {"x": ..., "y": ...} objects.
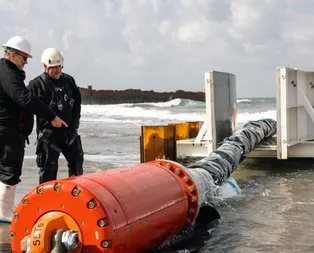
[{"x": 90, "y": 96}]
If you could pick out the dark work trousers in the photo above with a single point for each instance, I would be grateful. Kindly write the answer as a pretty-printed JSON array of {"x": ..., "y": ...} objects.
[
  {"x": 12, "y": 145},
  {"x": 48, "y": 152}
]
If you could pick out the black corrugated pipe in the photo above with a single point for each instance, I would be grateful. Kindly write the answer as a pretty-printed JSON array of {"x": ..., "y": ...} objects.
[
  {"x": 209, "y": 174},
  {"x": 223, "y": 161}
]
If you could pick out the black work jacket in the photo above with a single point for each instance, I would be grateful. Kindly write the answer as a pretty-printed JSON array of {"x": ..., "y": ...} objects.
[
  {"x": 62, "y": 96},
  {"x": 16, "y": 101}
]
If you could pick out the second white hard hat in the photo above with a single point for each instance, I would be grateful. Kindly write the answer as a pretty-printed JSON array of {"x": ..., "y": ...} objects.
[
  {"x": 52, "y": 57},
  {"x": 19, "y": 43}
]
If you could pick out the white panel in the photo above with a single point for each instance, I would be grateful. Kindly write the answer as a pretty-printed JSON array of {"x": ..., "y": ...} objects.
[
  {"x": 302, "y": 115},
  {"x": 206, "y": 140},
  {"x": 191, "y": 149},
  {"x": 292, "y": 107},
  {"x": 310, "y": 95},
  {"x": 210, "y": 112},
  {"x": 295, "y": 116},
  {"x": 281, "y": 104}
]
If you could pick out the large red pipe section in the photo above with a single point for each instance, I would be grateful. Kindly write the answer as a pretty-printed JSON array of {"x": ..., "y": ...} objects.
[{"x": 132, "y": 209}]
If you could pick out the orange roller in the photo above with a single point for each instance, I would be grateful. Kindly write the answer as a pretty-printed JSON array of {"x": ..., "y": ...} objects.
[{"x": 132, "y": 209}]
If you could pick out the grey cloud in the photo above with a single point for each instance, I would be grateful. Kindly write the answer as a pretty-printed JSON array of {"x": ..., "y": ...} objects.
[{"x": 165, "y": 44}]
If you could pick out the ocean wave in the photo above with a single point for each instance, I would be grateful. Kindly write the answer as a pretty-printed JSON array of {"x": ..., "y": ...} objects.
[
  {"x": 245, "y": 117},
  {"x": 137, "y": 113},
  {"x": 104, "y": 118},
  {"x": 163, "y": 111},
  {"x": 244, "y": 100},
  {"x": 170, "y": 103}
]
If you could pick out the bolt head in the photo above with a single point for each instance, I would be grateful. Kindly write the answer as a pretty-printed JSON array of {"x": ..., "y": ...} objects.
[
  {"x": 191, "y": 189},
  {"x": 25, "y": 201},
  {"x": 16, "y": 216},
  {"x": 102, "y": 223},
  {"x": 168, "y": 166},
  {"x": 57, "y": 187},
  {"x": 105, "y": 244},
  {"x": 91, "y": 204},
  {"x": 193, "y": 200},
  {"x": 40, "y": 190},
  {"x": 178, "y": 171},
  {"x": 76, "y": 191}
]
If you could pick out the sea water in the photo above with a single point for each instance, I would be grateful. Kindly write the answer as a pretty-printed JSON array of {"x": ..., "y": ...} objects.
[{"x": 273, "y": 213}]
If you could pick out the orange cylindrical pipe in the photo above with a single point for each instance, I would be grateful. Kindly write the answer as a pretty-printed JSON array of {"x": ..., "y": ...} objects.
[{"x": 131, "y": 209}]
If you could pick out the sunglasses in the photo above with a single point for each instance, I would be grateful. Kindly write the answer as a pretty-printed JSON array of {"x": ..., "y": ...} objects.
[{"x": 25, "y": 57}]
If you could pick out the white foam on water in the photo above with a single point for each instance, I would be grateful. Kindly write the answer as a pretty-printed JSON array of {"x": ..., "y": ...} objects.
[
  {"x": 244, "y": 100},
  {"x": 136, "y": 113},
  {"x": 229, "y": 189},
  {"x": 245, "y": 117}
]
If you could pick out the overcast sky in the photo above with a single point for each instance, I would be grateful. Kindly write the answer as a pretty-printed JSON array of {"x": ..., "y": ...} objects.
[{"x": 166, "y": 45}]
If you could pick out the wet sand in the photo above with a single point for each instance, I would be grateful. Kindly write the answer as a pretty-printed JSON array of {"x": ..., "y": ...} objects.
[{"x": 5, "y": 238}]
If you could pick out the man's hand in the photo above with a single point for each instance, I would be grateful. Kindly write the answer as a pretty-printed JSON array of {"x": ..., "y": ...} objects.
[{"x": 57, "y": 122}]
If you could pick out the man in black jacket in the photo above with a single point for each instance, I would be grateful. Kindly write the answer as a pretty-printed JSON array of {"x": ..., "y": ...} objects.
[
  {"x": 59, "y": 91},
  {"x": 15, "y": 102}
]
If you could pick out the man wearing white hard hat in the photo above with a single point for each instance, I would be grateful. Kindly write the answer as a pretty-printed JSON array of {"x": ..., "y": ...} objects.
[
  {"x": 58, "y": 90},
  {"x": 16, "y": 101}
]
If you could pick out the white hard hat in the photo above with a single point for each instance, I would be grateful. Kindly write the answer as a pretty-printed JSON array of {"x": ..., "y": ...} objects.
[
  {"x": 52, "y": 57},
  {"x": 19, "y": 43}
]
